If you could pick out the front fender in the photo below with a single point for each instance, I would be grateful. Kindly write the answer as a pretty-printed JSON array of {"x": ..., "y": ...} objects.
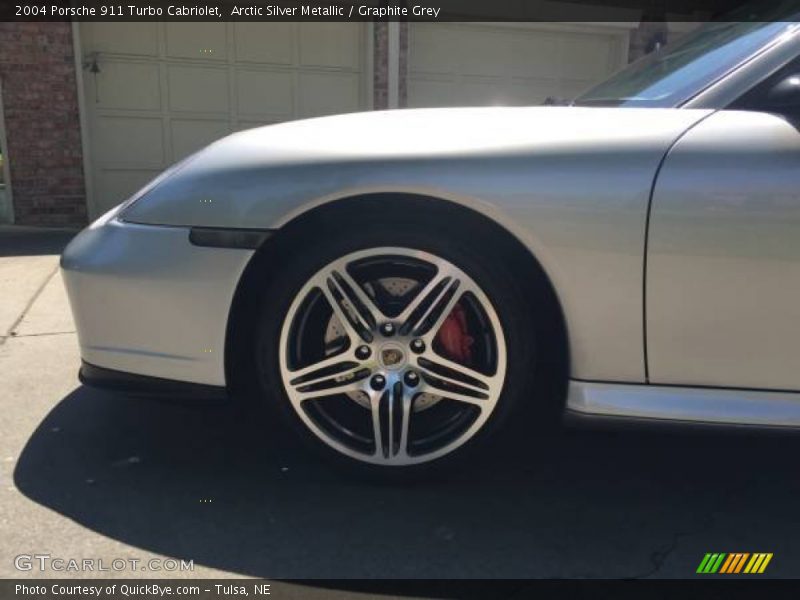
[{"x": 575, "y": 194}]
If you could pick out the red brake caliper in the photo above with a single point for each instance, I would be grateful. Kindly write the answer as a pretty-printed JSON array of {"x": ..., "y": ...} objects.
[{"x": 454, "y": 336}]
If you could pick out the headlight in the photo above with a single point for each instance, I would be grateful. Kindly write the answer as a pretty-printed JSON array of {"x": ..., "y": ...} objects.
[{"x": 150, "y": 186}]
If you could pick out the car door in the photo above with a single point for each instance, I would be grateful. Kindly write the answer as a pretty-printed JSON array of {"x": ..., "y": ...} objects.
[{"x": 722, "y": 280}]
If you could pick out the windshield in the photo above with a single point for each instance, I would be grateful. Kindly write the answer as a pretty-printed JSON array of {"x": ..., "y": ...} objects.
[{"x": 670, "y": 77}]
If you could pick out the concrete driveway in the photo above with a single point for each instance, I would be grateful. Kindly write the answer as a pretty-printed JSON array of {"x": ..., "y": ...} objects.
[{"x": 88, "y": 474}]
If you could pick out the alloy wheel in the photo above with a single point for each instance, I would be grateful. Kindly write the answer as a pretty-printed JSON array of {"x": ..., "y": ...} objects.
[{"x": 392, "y": 356}]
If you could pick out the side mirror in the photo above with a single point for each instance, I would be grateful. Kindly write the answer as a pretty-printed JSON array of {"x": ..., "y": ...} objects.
[{"x": 785, "y": 93}]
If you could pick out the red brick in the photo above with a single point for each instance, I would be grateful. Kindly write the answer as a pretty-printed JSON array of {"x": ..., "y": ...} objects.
[{"x": 42, "y": 123}]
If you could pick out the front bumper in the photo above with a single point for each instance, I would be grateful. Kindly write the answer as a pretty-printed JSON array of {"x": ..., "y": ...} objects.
[
  {"x": 146, "y": 301},
  {"x": 147, "y": 387}
]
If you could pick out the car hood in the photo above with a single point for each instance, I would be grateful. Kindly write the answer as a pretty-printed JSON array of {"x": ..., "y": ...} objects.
[{"x": 359, "y": 150}]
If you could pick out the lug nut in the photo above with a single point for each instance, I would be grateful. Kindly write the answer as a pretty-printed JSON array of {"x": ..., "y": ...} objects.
[
  {"x": 363, "y": 352},
  {"x": 377, "y": 382},
  {"x": 418, "y": 346},
  {"x": 411, "y": 379},
  {"x": 387, "y": 329}
]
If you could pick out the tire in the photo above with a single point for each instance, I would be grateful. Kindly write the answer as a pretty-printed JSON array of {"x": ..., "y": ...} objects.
[{"x": 425, "y": 415}]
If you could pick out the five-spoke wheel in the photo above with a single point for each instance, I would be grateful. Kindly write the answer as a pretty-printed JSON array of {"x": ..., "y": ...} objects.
[{"x": 392, "y": 356}]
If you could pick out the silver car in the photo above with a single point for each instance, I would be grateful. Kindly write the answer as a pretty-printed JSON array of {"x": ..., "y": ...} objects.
[{"x": 398, "y": 285}]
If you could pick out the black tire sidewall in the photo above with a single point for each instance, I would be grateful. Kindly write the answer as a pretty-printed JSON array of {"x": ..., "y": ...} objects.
[{"x": 460, "y": 246}]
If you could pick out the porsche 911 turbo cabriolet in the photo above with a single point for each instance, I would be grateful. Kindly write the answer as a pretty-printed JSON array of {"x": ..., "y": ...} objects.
[{"x": 391, "y": 283}]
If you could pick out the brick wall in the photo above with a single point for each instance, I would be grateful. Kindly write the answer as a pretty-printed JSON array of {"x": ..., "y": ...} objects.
[
  {"x": 380, "y": 58},
  {"x": 402, "y": 84},
  {"x": 42, "y": 123}
]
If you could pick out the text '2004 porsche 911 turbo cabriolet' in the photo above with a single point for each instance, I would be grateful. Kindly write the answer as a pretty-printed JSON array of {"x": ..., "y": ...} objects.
[{"x": 393, "y": 284}]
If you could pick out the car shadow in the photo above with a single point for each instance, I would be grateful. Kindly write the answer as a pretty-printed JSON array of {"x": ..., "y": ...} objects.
[
  {"x": 196, "y": 483},
  {"x": 27, "y": 241}
]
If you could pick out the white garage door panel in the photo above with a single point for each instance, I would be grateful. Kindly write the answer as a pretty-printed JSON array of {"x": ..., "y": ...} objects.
[
  {"x": 126, "y": 85},
  {"x": 474, "y": 64},
  {"x": 165, "y": 90},
  {"x": 482, "y": 90},
  {"x": 199, "y": 89},
  {"x": 422, "y": 92},
  {"x": 130, "y": 142},
  {"x": 197, "y": 40},
  {"x": 532, "y": 56},
  {"x": 110, "y": 181},
  {"x": 121, "y": 38},
  {"x": 429, "y": 50},
  {"x": 329, "y": 45},
  {"x": 583, "y": 57},
  {"x": 264, "y": 43},
  {"x": 327, "y": 93},
  {"x": 190, "y": 134},
  {"x": 267, "y": 93},
  {"x": 483, "y": 53}
]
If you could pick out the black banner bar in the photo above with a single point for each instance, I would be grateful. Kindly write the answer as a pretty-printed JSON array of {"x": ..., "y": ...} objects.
[
  {"x": 400, "y": 10},
  {"x": 350, "y": 589}
]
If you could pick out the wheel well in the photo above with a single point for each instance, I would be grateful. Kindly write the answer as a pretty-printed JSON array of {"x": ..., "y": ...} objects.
[{"x": 552, "y": 366}]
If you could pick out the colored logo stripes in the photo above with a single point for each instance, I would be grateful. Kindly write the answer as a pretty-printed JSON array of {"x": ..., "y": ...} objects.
[{"x": 735, "y": 562}]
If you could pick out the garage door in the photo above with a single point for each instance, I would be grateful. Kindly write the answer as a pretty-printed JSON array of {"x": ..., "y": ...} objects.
[
  {"x": 473, "y": 64},
  {"x": 156, "y": 92}
]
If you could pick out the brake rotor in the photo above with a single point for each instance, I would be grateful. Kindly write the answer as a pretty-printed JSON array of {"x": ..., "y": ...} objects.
[{"x": 395, "y": 287}]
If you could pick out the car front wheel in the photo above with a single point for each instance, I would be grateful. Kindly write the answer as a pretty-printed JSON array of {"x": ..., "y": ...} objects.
[{"x": 392, "y": 347}]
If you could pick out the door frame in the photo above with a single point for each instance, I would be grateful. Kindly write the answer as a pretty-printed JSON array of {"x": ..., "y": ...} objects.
[
  {"x": 83, "y": 116},
  {"x": 8, "y": 217}
]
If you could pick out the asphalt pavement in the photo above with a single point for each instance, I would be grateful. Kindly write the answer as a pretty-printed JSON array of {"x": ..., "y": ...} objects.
[{"x": 86, "y": 473}]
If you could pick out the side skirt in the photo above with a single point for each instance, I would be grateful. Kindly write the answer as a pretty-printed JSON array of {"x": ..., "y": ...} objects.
[
  {"x": 610, "y": 404},
  {"x": 142, "y": 386}
]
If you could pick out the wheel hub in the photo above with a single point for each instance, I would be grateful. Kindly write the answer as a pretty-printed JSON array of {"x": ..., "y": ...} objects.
[
  {"x": 394, "y": 287},
  {"x": 392, "y": 357}
]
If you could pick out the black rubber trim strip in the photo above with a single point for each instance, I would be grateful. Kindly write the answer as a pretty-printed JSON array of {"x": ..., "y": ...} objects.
[
  {"x": 215, "y": 237},
  {"x": 685, "y": 386},
  {"x": 149, "y": 387},
  {"x": 582, "y": 420}
]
